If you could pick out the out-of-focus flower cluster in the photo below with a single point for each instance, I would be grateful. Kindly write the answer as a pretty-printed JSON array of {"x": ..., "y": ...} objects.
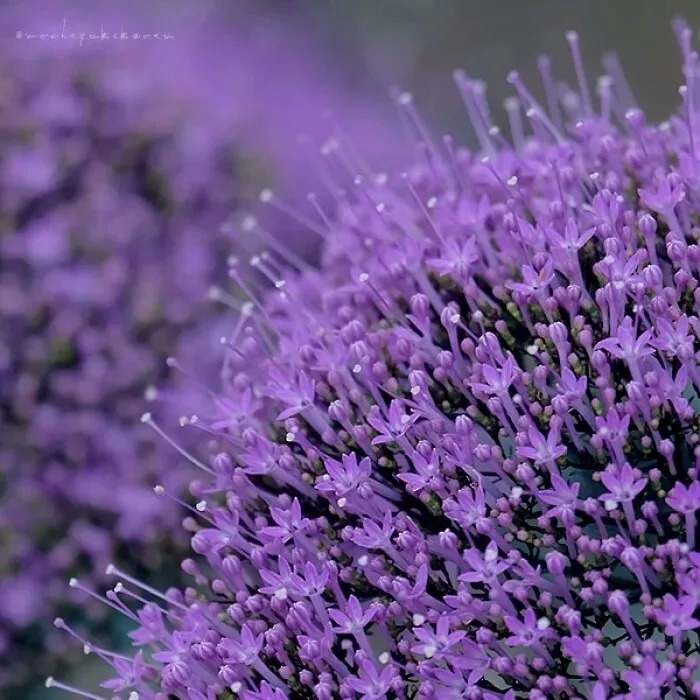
[
  {"x": 107, "y": 247},
  {"x": 460, "y": 460}
]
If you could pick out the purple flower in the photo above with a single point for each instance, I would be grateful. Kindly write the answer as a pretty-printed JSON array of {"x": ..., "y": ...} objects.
[
  {"x": 527, "y": 632},
  {"x": 437, "y": 643},
  {"x": 649, "y": 682},
  {"x": 684, "y": 499},
  {"x": 345, "y": 478},
  {"x": 625, "y": 344},
  {"x": 541, "y": 450},
  {"x": 622, "y": 484},
  {"x": 563, "y": 497},
  {"x": 396, "y": 425},
  {"x": 534, "y": 281},
  {"x": 677, "y": 615},
  {"x": 353, "y": 619},
  {"x": 372, "y": 684},
  {"x": 497, "y": 381},
  {"x": 457, "y": 258}
]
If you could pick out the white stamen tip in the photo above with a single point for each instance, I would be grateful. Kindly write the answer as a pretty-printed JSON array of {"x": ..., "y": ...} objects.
[
  {"x": 214, "y": 293},
  {"x": 151, "y": 393},
  {"x": 384, "y": 658},
  {"x": 405, "y": 98},
  {"x": 418, "y": 619},
  {"x": 159, "y": 490},
  {"x": 146, "y": 417},
  {"x": 543, "y": 623},
  {"x": 119, "y": 587},
  {"x": 49, "y": 682},
  {"x": 249, "y": 223},
  {"x": 111, "y": 569},
  {"x": 265, "y": 195},
  {"x": 572, "y": 36},
  {"x": 86, "y": 649},
  {"x": 364, "y": 277},
  {"x": 73, "y": 582},
  {"x": 201, "y": 506}
]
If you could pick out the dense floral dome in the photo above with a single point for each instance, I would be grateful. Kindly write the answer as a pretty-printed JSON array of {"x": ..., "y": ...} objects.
[{"x": 459, "y": 459}]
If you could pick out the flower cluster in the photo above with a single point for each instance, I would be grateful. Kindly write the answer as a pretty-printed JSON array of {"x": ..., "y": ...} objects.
[{"x": 460, "y": 458}]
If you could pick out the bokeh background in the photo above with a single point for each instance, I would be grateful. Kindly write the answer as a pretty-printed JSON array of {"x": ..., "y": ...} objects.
[{"x": 271, "y": 80}]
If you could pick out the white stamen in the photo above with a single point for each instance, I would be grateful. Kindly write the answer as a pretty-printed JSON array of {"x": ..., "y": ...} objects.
[
  {"x": 249, "y": 223},
  {"x": 265, "y": 195}
]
